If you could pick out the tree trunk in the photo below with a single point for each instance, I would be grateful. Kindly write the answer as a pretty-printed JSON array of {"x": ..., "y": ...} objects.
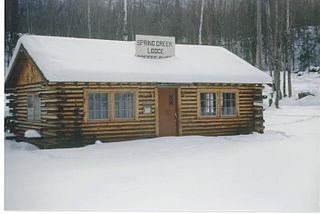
[
  {"x": 89, "y": 20},
  {"x": 259, "y": 37},
  {"x": 125, "y": 21},
  {"x": 29, "y": 28},
  {"x": 284, "y": 81},
  {"x": 161, "y": 22},
  {"x": 289, "y": 47},
  {"x": 270, "y": 41},
  {"x": 277, "y": 55},
  {"x": 201, "y": 21}
]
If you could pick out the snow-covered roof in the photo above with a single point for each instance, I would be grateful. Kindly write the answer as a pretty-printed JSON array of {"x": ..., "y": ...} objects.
[{"x": 65, "y": 59}]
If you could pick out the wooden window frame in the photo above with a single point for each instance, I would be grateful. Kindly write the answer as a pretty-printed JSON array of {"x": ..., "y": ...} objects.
[
  {"x": 218, "y": 93},
  {"x": 87, "y": 104},
  {"x": 199, "y": 92},
  {"x": 111, "y": 105},
  {"x": 134, "y": 106},
  {"x": 33, "y": 108},
  {"x": 236, "y": 92}
]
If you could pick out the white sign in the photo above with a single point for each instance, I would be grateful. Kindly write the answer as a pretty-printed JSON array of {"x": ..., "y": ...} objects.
[
  {"x": 155, "y": 47},
  {"x": 147, "y": 109}
]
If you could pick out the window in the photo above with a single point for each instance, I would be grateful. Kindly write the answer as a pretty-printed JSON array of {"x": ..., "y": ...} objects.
[
  {"x": 34, "y": 107},
  {"x": 208, "y": 104},
  {"x": 110, "y": 105},
  {"x": 217, "y": 103},
  {"x": 37, "y": 107},
  {"x": 170, "y": 99},
  {"x": 123, "y": 105},
  {"x": 228, "y": 103},
  {"x": 30, "y": 107},
  {"x": 97, "y": 106}
]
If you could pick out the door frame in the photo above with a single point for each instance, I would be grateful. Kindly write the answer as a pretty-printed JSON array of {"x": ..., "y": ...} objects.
[{"x": 179, "y": 120}]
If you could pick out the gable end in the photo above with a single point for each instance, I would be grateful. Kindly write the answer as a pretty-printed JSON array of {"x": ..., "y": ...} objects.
[{"x": 24, "y": 71}]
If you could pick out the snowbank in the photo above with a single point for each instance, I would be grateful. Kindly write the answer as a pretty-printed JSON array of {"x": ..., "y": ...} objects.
[{"x": 12, "y": 146}]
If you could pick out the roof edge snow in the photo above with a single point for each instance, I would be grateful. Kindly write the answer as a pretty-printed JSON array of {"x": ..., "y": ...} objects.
[{"x": 62, "y": 59}]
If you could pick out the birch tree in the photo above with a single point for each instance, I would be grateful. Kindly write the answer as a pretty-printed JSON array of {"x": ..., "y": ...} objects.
[
  {"x": 270, "y": 40},
  {"x": 201, "y": 22},
  {"x": 125, "y": 21},
  {"x": 259, "y": 36},
  {"x": 89, "y": 19},
  {"x": 277, "y": 46},
  {"x": 289, "y": 48},
  {"x": 233, "y": 24}
]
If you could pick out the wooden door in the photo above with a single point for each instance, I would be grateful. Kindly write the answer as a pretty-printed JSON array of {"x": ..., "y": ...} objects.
[{"x": 168, "y": 112}]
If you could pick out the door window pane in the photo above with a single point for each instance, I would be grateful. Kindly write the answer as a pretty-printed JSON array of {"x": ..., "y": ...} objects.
[{"x": 170, "y": 99}]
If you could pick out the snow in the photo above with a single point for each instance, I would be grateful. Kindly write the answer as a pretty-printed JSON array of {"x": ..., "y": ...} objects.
[
  {"x": 32, "y": 134},
  {"x": 275, "y": 171},
  {"x": 98, "y": 142},
  {"x": 92, "y": 60}
]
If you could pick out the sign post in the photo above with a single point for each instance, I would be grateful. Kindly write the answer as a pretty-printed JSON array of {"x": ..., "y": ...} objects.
[{"x": 155, "y": 47}]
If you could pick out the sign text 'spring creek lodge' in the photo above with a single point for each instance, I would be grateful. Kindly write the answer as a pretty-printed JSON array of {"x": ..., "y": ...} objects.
[{"x": 155, "y": 47}]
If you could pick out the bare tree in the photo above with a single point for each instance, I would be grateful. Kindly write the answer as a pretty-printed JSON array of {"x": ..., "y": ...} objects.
[
  {"x": 125, "y": 21},
  {"x": 201, "y": 22},
  {"x": 227, "y": 23},
  {"x": 89, "y": 20},
  {"x": 270, "y": 40},
  {"x": 289, "y": 48},
  {"x": 259, "y": 36},
  {"x": 277, "y": 50}
]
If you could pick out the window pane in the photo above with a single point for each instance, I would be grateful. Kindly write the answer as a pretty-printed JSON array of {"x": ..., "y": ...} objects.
[
  {"x": 30, "y": 107},
  {"x": 37, "y": 107},
  {"x": 123, "y": 105},
  {"x": 91, "y": 115},
  {"x": 97, "y": 106},
  {"x": 104, "y": 106},
  {"x": 228, "y": 104},
  {"x": 97, "y": 101},
  {"x": 91, "y": 101},
  {"x": 208, "y": 104}
]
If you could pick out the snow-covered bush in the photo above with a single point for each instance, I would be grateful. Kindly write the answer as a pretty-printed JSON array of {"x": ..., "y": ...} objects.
[{"x": 32, "y": 134}]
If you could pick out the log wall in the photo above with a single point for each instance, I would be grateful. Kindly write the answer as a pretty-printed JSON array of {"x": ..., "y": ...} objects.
[
  {"x": 62, "y": 110},
  {"x": 245, "y": 122},
  {"x": 63, "y": 113}
]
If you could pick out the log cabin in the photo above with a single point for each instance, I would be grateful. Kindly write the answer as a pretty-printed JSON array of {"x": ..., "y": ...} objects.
[{"x": 75, "y": 91}]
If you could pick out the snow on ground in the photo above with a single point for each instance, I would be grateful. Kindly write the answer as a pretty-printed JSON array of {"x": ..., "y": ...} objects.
[
  {"x": 275, "y": 171},
  {"x": 308, "y": 82}
]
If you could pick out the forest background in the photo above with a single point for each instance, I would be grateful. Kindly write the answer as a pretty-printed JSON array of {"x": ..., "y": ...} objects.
[{"x": 278, "y": 36}]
